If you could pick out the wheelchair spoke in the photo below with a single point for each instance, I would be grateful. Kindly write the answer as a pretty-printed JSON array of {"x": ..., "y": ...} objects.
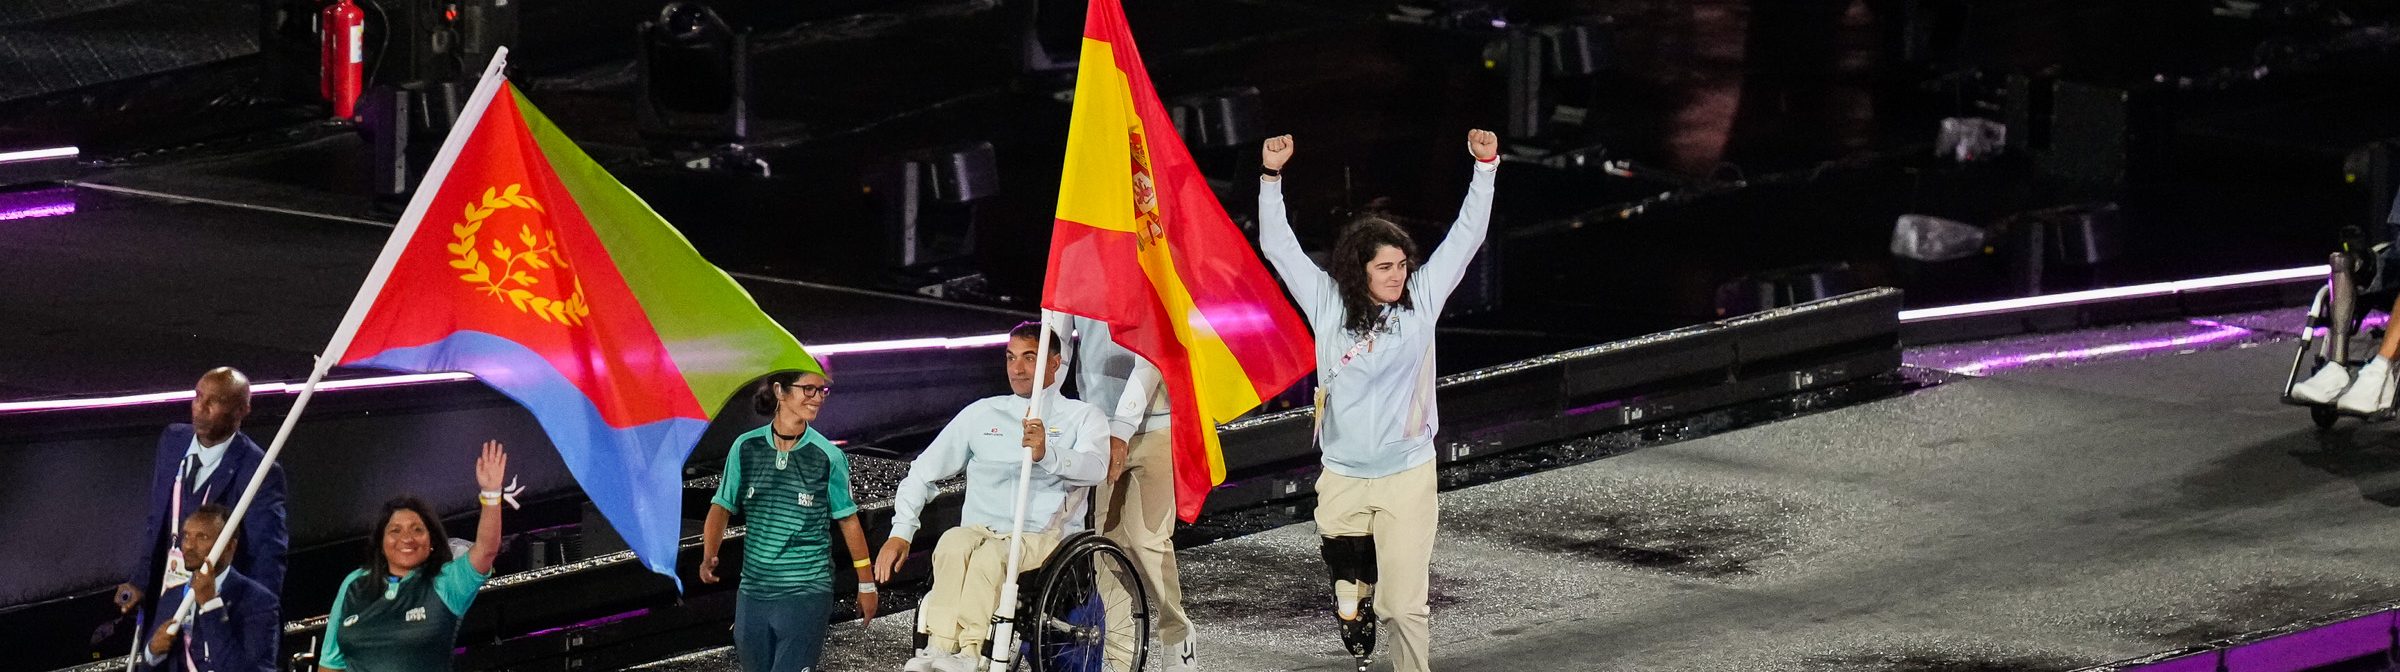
[{"x": 1092, "y": 612}]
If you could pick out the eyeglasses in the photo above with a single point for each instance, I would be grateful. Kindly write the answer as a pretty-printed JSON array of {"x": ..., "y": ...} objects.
[{"x": 812, "y": 390}]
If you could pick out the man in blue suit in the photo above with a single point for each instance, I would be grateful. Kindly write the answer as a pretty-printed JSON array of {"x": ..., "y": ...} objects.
[
  {"x": 233, "y": 626},
  {"x": 209, "y": 462}
]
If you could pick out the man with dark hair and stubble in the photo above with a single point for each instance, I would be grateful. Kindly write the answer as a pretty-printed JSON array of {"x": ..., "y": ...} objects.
[{"x": 231, "y": 624}]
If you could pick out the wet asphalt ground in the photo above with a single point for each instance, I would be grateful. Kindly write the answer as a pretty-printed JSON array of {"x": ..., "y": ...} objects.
[{"x": 2038, "y": 519}]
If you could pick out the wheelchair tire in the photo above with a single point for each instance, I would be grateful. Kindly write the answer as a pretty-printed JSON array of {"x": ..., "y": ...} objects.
[
  {"x": 1069, "y": 627},
  {"x": 2324, "y": 416}
]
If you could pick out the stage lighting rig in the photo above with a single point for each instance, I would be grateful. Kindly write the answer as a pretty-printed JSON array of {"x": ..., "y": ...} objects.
[
  {"x": 1551, "y": 70},
  {"x": 696, "y": 89},
  {"x": 928, "y": 201}
]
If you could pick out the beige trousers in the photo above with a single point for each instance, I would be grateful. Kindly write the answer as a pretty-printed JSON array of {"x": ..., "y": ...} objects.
[
  {"x": 1138, "y": 512},
  {"x": 1402, "y": 512},
  {"x": 969, "y": 564}
]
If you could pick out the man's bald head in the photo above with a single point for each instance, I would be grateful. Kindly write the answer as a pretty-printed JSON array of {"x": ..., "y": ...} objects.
[{"x": 219, "y": 403}]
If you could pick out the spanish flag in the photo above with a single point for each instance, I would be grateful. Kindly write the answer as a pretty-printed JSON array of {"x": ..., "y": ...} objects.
[{"x": 1142, "y": 244}]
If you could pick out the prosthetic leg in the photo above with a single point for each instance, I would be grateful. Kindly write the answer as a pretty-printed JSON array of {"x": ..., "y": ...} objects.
[{"x": 1351, "y": 561}]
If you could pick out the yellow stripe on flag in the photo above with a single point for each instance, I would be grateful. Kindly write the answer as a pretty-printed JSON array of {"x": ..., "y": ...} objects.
[
  {"x": 1099, "y": 155},
  {"x": 1224, "y": 389}
]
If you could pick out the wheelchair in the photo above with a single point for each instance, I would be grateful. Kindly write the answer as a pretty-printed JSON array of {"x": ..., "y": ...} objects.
[
  {"x": 1085, "y": 599},
  {"x": 2337, "y": 317}
]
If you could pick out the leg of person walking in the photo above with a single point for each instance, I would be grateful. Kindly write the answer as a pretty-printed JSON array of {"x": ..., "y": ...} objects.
[
  {"x": 753, "y": 634},
  {"x": 1407, "y": 514},
  {"x": 1141, "y": 508},
  {"x": 1345, "y": 519},
  {"x": 800, "y": 634}
]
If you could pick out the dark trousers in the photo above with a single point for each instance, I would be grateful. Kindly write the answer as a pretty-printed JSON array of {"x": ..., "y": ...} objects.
[{"x": 783, "y": 634}]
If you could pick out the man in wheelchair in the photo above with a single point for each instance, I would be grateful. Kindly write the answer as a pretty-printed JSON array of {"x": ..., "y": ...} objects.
[
  {"x": 2370, "y": 390},
  {"x": 1069, "y": 447}
]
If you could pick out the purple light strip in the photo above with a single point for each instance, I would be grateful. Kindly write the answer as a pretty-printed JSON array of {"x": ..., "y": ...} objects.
[
  {"x": 2371, "y": 322},
  {"x": 36, "y": 203},
  {"x": 177, "y": 396},
  {"x": 1595, "y": 408},
  {"x": 604, "y": 620},
  {"x": 38, "y": 211},
  {"x": 2216, "y": 332},
  {"x": 2307, "y": 649}
]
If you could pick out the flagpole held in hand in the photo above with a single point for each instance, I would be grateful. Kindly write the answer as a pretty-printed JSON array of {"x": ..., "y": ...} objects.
[
  {"x": 349, "y": 327},
  {"x": 1004, "y": 616}
]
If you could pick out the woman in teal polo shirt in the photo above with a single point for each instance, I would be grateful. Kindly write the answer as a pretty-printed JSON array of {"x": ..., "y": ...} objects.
[
  {"x": 790, "y": 485},
  {"x": 401, "y": 611}
]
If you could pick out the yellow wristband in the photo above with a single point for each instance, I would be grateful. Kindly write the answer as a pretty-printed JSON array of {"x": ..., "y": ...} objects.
[{"x": 860, "y": 563}]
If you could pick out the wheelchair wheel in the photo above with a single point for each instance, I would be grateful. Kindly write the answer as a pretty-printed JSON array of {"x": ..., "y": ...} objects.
[{"x": 1092, "y": 614}]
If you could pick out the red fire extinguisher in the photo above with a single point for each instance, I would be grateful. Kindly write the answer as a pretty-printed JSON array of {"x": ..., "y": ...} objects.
[{"x": 343, "y": 29}]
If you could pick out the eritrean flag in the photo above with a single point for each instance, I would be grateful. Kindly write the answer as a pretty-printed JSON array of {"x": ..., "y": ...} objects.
[
  {"x": 522, "y": 262},
  {"x": 1142, "y": 244}
]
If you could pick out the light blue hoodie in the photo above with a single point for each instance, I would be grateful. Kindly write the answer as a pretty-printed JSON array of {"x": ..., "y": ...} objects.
[{"x": 1379, "y": 417}]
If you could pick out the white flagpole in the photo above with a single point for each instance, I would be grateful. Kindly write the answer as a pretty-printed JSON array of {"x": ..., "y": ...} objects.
[
  {"x": 1004, "y": 616},
  {"x": 418, "y": 204}
]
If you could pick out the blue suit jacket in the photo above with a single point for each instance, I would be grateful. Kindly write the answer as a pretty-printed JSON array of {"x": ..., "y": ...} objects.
[
  {"x": 260, "y": 557},
  {"x": 240, "y": 637}
]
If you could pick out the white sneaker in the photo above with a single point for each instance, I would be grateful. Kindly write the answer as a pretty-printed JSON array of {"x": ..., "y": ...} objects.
[
  {"x": 1183, "y": 658},
  {"x": 957, "y": 662},
  {"x": 2321, "y": 388},
  {"x": 923, "y": 662},
  {"x": 2372, "y": 391}
]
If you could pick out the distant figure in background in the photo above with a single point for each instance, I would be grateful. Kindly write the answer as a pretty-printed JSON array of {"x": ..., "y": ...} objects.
[
  {"x": 207, "y": 462},
  {"x": 1137, "y": 502},
  {"x": 401, "y": 611},
  {"x": 234, "y": 626},
  {"x": 790, "y": 484},
  {"x": 1373, "y": 309}
]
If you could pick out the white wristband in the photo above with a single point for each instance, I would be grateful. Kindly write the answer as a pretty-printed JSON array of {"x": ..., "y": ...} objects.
[
  {"x": 866, "y": 587},
  {"x": 507, "y": 494}
]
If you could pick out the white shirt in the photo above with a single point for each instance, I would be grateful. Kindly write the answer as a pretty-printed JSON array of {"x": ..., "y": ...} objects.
[
  {"x": 1119, "y": 381},
  {"x": 983, "y": 441}
]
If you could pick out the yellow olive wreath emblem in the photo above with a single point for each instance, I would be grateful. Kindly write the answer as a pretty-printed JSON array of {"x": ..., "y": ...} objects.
[{"x": 512, "y": 282}]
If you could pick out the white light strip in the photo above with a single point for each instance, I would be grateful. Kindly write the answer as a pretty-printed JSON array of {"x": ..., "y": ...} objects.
[
  {"x": 2317, "y": 272},
  {"x": 909, "y": 344},
  {"x": 417, "y": 378},
  {"x": 37, "y": 154}
]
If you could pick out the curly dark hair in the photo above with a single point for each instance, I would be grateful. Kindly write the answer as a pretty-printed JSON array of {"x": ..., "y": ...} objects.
[
  {"x": 1351, "y": 251},
  {"x": 437, "y": 544}
]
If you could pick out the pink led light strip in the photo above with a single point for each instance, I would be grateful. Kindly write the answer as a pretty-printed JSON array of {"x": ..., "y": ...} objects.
[{"x": 826, "y": 350}]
